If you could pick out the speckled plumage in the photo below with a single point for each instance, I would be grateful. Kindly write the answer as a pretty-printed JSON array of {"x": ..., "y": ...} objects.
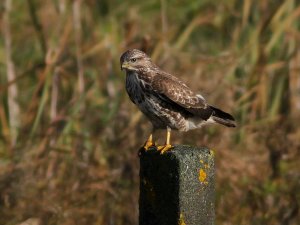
[{"x": 164, "y": 99}]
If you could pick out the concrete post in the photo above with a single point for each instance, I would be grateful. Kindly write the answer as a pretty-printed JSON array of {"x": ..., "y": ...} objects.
[{"x": 178, "y": 187}]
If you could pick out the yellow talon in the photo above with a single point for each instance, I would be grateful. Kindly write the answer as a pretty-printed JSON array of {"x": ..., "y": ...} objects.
[
  {"x": 167, "y": 146},
  {"x": 164, "y": 148},
  {"x": 149, "y": 143}
]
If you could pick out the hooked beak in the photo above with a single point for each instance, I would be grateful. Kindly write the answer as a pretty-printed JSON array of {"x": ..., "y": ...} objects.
[{"x": 125, "y": 65}]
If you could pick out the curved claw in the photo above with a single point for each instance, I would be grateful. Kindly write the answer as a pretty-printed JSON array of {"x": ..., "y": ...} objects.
[
  {"x": 164, "y": 148},
  {"x": 148, "y": 145}
]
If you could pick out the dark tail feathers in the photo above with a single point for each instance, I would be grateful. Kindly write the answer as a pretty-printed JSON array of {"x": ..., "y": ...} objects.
[{"x": 222, "y": 117}]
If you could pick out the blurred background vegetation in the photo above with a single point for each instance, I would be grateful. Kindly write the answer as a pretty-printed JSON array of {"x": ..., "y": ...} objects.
[{"x": 69, "y": 134}]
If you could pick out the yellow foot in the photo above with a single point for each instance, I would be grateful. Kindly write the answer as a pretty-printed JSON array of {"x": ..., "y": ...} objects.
[
  {"x": 148, "y": 145},
  {"x": 164, "y": 148}
]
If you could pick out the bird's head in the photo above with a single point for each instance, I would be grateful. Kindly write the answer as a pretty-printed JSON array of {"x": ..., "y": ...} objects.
[{"x": 134, "y": 60}]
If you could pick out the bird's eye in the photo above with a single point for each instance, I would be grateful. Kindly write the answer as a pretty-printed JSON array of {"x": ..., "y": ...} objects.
[{"x": 133, "y": 60}]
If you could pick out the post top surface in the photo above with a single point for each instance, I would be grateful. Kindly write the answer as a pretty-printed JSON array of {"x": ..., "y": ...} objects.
[{"x": 181, "y": 151}]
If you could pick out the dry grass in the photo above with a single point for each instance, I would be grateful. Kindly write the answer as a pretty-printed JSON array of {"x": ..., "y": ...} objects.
[{"x": 73, "y": 158}]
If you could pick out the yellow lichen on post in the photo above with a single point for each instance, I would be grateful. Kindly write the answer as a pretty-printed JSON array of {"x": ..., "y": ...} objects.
[
  {"x": 206, "y": 166},
  {"x": 202, "y": 175},
  {"x": 181, "y": 220}
]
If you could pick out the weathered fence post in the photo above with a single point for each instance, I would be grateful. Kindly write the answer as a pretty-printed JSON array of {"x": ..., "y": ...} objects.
[{"x": 177, "y": 188}]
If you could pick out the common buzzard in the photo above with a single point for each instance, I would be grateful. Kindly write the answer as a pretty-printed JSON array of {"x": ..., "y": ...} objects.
[{"x": 165, "y": 100}]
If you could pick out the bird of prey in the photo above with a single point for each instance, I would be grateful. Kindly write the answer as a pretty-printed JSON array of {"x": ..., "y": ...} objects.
[{"x": 166, "y": 100}]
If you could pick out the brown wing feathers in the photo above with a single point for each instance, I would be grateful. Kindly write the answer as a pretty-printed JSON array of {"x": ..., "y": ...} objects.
[
  {"x": 172, "y": 89},
  {"x": 178, "y": 93}
]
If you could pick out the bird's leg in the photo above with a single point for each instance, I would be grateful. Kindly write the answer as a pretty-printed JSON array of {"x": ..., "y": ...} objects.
[
  {"x": 167, "y": 146},
  {"x": 149, "y": 143}
]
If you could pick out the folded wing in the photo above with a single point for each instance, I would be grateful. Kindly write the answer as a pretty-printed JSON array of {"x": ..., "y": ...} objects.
[{"x": 175, "y": 91}]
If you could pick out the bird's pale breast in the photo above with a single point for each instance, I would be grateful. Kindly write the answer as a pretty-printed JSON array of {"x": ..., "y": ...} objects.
[{"x": 160, "y": 113}]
